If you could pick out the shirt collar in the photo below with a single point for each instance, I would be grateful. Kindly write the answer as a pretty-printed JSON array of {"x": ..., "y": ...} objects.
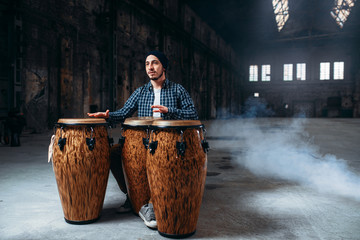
[{"x": 166, "y": 84}]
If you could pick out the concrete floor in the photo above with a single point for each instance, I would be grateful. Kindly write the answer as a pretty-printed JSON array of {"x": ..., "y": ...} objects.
[{"x": 267, "y": 179}]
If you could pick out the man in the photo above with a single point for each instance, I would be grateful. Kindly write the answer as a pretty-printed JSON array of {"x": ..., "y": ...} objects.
[{"x": 159, "y": 98}]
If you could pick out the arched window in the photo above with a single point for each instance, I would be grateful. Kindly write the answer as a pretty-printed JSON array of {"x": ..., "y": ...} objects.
[
  {"x": 281, "y": 11},
  {"x": 341, "y": 11}
]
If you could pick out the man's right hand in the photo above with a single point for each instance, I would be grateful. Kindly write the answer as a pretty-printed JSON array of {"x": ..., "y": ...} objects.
[{"x": 99, "y": 114}]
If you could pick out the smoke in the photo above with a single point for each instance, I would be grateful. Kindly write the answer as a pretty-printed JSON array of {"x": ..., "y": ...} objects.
[
  {"x": 256, "y": 107},
  {"x": 283, "y": 149}
]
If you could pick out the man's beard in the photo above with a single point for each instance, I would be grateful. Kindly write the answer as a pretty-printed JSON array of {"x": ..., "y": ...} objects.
[{"x": 156, "y": 78}]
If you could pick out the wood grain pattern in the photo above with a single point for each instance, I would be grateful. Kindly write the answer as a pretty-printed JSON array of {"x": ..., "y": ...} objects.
[
  {"x": 134, "y": 164},
  {"x": 81, "y": 174},
  {"x": 177, "y": 182}
]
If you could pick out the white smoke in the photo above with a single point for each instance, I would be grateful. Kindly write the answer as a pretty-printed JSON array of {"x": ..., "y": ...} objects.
[{"x": 285, "y": 151}]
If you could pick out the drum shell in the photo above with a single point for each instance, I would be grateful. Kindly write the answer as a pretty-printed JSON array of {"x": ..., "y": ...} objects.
[
  {"x": 177, "y": 182},
  {"x": 82, "y": 174},
  {"x": 134, "y": 155}
]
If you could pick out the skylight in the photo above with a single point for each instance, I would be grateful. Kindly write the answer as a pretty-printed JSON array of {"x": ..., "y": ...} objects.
[
  {"x": 281, "y": 11},
  {"x": 341, "y": 11}
]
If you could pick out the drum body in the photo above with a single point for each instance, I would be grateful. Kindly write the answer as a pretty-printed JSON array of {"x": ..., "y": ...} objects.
[
  {"x": 176, "y": 178},
  {"x": 134, "y": 154},
  {"x": 81, "y": 165}
]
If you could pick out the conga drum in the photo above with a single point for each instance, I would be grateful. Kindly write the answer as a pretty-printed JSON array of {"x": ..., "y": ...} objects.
[
  {"x": 176, "y": 168},
  {"x": 81, "y": 165},
  {"x": 135, "y": 140}
]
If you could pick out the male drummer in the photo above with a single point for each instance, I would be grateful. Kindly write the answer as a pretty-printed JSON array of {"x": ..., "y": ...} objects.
[{"x": 158, "y": 98}]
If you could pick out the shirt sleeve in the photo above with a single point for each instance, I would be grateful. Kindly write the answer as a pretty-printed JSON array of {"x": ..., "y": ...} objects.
[
  {"x": 186, "y": 109},
  {"x": 130, "y": 107}
]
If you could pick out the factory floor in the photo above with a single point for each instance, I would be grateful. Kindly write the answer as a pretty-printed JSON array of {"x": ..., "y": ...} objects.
[{"x": 267, "y": 178}]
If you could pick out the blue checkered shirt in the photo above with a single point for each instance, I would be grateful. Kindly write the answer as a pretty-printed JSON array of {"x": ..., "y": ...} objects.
[{"x": 173, "y": 96}]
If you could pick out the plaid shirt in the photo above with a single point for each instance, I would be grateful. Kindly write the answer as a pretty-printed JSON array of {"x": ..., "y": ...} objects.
[{"x": 173, "y": 96}]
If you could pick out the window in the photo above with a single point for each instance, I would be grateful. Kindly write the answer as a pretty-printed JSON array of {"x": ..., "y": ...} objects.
[
  {"x": 301, "y": 71},
  {"x": 324, "y": 71},
  {"x": 253, "y": 73},
  {"x": 341, "y": 11},
  {"x": 288, "y": 72},
  {"x": 338, "y": 70},
  {"x": 281, "y": 11},
  {"x": 265, "y": 73}
]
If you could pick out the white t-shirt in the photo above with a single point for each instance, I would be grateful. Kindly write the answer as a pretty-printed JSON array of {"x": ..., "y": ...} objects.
[{"x": 157, "y": 101}]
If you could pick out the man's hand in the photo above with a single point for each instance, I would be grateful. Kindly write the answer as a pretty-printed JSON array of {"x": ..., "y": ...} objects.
[
  {"x": 160, "y": 109},
  {"x": 99, "y": 114}
]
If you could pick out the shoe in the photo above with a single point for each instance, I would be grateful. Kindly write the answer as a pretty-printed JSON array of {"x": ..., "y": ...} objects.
[
  {"x": 147, "y": 214},
  {"x": 126, "y": 207}
]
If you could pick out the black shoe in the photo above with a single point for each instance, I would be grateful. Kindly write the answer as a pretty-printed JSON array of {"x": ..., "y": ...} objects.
[
  {"x": 126, "y": 207},
  {"x": 147, "y": 214}
]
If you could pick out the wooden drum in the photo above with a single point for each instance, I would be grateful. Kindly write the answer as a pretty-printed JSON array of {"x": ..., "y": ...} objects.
[
  {"x": 176, "y": 167},
  {"x": 135, "y": 138},
  {"x": 81, "y": 164}
]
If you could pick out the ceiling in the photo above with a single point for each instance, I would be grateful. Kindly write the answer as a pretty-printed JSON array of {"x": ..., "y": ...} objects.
[{"x": 251, "y": 22}]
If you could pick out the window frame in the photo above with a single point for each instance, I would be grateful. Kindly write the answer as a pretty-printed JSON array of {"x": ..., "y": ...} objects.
[
  {"x": 302, "y": 70},
  {"x": 253, "y": 73},
  {"x": 325, "y": 76},
  {"x": 290, "y": 74},
  {"x": 265, "y": 77},
  {"x": 336, "y": 69}
]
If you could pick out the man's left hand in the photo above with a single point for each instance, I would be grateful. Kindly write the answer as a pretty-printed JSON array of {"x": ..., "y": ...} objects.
[{"x": 160, "y": 109}]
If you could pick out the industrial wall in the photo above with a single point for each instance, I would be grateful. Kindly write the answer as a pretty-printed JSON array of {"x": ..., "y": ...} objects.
[
  {"x": 311, "y": 97},
  {"x": 74, "y": 57}
]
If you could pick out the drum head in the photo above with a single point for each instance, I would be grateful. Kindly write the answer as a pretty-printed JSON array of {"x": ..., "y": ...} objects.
[
  {"x": 82, "y": 121},
  {"x": 140, "y": 121},
  {"x": 177, "y": 123}
]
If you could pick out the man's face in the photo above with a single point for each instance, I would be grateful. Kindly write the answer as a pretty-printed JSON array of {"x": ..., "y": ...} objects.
[{"x": 154, "y": 68}]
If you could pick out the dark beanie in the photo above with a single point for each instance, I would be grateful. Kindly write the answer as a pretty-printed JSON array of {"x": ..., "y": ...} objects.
[{"x": 161, "y": 56}]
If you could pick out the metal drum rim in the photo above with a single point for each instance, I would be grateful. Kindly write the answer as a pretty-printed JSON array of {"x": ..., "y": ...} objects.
[
  {"x": 82, "y": 122},
  {"x": 140, "y": 121},
  {"x": 177, "y": 124}
]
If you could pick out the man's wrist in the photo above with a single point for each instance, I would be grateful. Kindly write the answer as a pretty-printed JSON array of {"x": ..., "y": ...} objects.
[{"x": 170, "y": 110}]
